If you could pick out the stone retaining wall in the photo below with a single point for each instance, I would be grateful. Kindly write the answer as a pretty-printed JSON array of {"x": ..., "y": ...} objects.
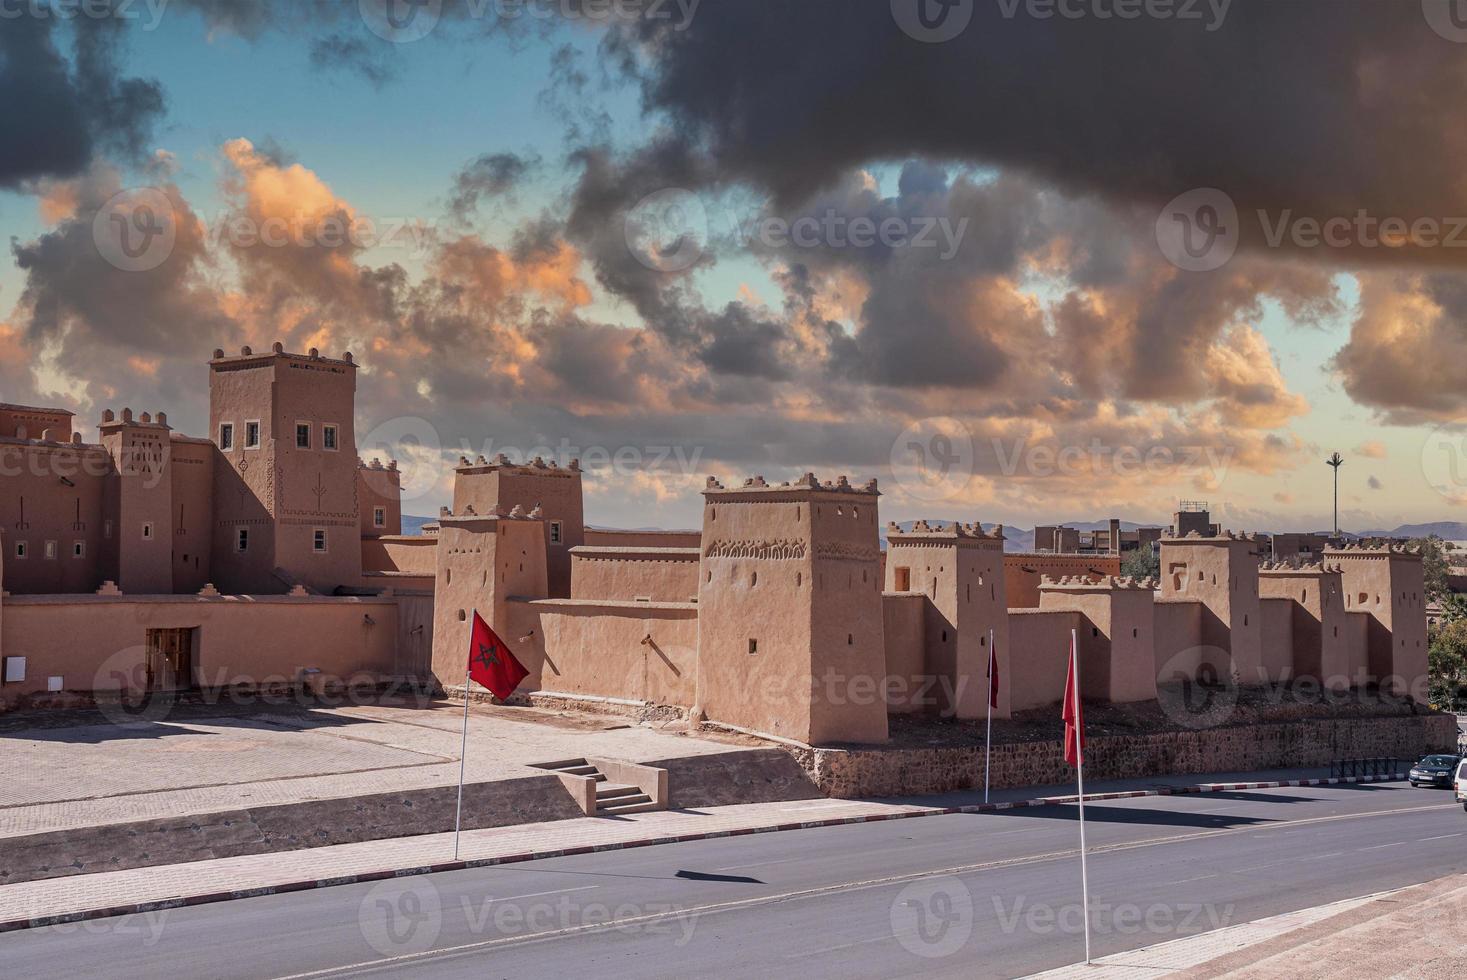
[
  {"x": 852, "y": 773},
  {"x": 759, "y": 775}
]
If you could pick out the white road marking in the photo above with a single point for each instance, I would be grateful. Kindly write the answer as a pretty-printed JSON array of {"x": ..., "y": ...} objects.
[
  {"x": 832, "y": 949},
  {"x": 557, "y": 891},
  {"x": 1442, "y": 837}
]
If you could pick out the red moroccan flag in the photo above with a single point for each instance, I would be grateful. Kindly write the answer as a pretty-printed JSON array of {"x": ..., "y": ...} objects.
[
  {"x": 1074, "y": 718},
  {"x": 490, "y": 662},
  {"x": 992, "y": 671}
]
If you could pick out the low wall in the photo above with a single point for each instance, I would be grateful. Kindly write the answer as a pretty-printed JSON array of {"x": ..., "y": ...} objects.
[
  {"x": 628, "y": 573},
  {"x": 1023, "y": 572},
  {"x": 903, "y": 618},
  {"x": 1037, "y": 678},
  {"x": 848, "y": 774},
  {"x": 98, "y": 643},
  {"x": 596, "y": 648},
  {"x": 617, "y": 538},
  {"x": 1277, "y": 629},
  {"x": 413, "y": 553}
]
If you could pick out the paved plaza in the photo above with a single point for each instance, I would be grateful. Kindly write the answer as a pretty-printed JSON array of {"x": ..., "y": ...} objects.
[{"x": 198, "y": 761}]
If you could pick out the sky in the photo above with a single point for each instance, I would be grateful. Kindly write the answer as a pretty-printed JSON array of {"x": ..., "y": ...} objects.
[{"x": 1021, "y": 262}]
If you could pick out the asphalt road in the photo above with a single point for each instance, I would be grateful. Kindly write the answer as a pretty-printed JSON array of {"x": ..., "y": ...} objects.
[{"x": 980, "y": 895}]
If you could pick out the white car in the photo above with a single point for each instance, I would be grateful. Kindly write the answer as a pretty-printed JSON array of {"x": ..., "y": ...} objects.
[{"x": 1459, "y": 783}]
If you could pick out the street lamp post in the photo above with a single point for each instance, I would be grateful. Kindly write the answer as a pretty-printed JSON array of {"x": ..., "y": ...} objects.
[{"x": 1335, "y": 462}]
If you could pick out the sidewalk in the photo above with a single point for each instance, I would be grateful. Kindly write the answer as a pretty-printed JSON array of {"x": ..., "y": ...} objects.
[
  {"x": 1409, "y": 932},
  {"x": 47, "y": 902}
]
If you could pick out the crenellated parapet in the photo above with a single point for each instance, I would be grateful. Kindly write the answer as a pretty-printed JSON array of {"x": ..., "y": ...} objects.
[
  {"x": 939, "y": 533},
  {"x": 1105, "y": 583},
  {"x": 501, "y": 463},
  {"x": 806, "y": 482}
]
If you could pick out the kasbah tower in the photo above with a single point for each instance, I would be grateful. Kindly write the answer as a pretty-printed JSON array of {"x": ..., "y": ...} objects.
[
  {"x": 286, "y": 504},
  {"x": 790, "y": 632}
]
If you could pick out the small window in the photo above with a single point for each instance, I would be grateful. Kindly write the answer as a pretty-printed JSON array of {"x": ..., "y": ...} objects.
[
  {"x": 49, "y": 549},
  {"x": 107, "y": 529},
  {"x": 252, "y": 435},
  {"x": 328, "y": 438},
  {"x": 226, "y": 436},
  {"x": 20, "y": 549},
  {"x": 78, "y": 549},
  {"x": 555, "y": 532},
  {"x": 379, "y": 517},
  {"x": 753, "y": 646},
  {"x": 318, "y": 540},
  {"x": 303, "y": 435},
  {"x": 242, "y": 540},
  {"x": 147, "y": 530}
]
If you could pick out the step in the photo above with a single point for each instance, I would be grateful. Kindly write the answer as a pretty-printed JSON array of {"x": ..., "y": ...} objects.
[
  {"x": 607, "y": 791},
  {"x": 643, "y": 807},
  {"x": 561, "y": 764},
  {"x": 580, "y": 771}
]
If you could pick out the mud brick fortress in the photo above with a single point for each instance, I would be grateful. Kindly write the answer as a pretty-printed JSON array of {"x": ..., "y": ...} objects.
[{"x": 269, "y": 554}]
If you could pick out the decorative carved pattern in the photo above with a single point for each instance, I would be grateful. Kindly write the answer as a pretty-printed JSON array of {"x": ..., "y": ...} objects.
[
  {"x": 842, "y": 551},
  {"x": 782, "y": 549}
]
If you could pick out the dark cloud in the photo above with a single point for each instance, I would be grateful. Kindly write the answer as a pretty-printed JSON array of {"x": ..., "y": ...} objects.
[
  {"x": 354, "y": 55},
  {"x": 1281, "y": 105},
  {"x": 61, "y": 114},
  {"x": 490, "y": 176}
]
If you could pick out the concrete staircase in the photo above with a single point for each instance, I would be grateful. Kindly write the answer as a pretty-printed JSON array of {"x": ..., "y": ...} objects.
[{"x": 610, "y": 799}]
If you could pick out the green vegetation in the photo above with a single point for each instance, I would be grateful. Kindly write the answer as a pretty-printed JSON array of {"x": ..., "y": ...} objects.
[
  {"x": 1144, "y": 562},
  {"x": 1446, "y": 656}
]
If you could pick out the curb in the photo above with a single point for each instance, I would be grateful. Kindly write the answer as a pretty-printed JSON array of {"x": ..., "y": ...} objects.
[{"x": 208, "y": 898}]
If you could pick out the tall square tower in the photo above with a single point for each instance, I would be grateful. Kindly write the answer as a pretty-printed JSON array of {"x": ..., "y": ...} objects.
[
  {"x": 139, "y": 502},
  {"x": 285, "y": 501},
  {"x": 498, "y": 486},
  {"x": 960, "y": 571},
  {"x": 1221, "y": 573},
  {"x": 1388, "y": 583},
  {"x": 790, "y": 631}
]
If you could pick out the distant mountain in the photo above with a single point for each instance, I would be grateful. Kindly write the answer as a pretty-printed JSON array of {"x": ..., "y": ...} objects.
[
  {"x": 1446, "y": 530},
  {"x": 414, "y": 525}
]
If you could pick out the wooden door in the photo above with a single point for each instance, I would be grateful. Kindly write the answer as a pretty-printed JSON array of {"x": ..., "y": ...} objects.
[{"x": 170, "y": 659}]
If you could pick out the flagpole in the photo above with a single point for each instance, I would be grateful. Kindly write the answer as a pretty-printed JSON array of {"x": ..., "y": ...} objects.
[
  {"x": 988, "y": 740},
  {"x": 463, "y": 754},
  {"x": 1080, "y": 775}
]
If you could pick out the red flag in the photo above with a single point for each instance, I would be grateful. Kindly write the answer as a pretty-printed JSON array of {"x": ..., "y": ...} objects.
[
  {"x": 490, "y": 662},
  {"x": 1074, "y": 718},
  {"x": 992, "y": 672}
]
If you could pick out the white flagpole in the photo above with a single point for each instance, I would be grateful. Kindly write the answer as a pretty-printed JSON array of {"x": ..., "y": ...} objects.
[
  {"x": 463, "y": 753},
  {"x": 1080, "y": 775},
  {"x": 988, "y": 741}
]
